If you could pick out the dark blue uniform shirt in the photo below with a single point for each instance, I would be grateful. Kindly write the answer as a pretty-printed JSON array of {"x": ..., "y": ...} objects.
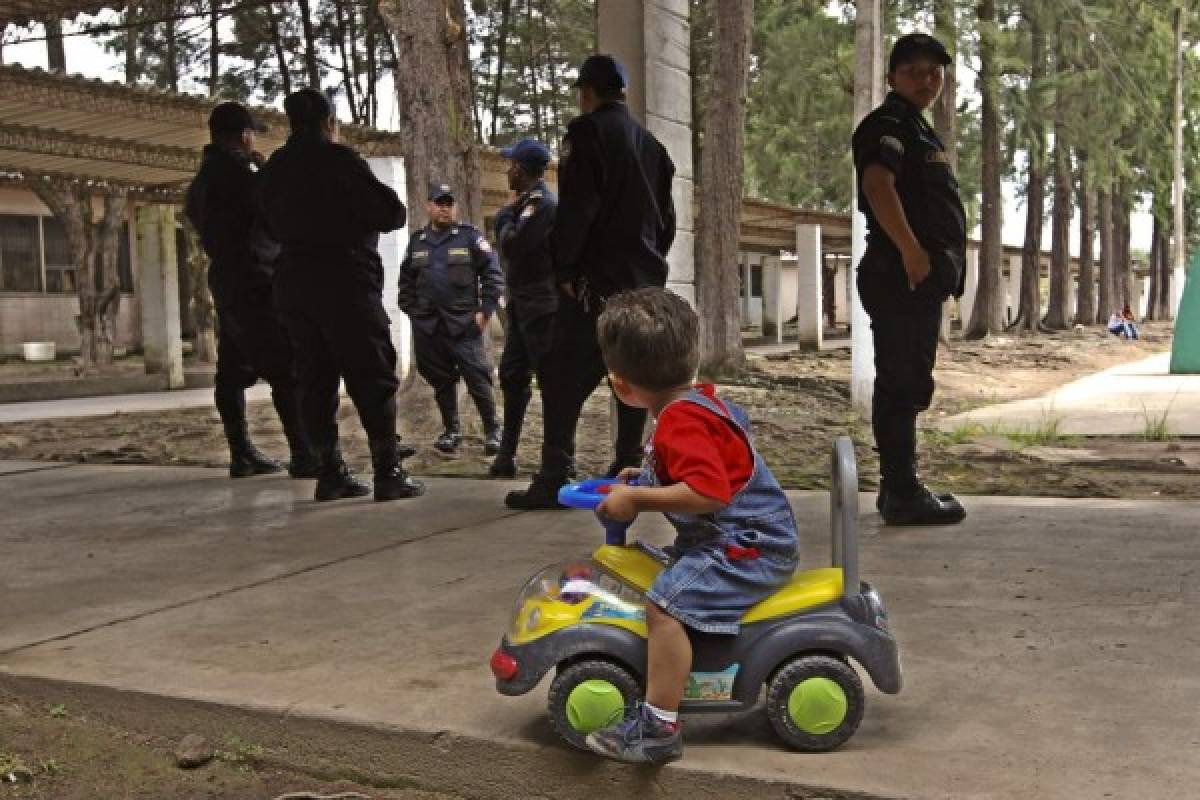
[
  {"x": 447, "y": 276},
  {"x": 523, "y": 236}
]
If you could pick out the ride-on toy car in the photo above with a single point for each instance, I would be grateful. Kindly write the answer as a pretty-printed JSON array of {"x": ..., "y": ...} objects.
[{"x": 586, "y": 619}]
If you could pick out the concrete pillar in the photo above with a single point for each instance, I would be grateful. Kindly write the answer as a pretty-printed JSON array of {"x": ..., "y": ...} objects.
[
  {"x": 651, "y": 39},
  {"x": 868, "y": 93},
  {"x": 774, "y": 307},
  {"x": 809, "y": 327},
  {"x": 158, "y": 268},
  {"x": 391, "y": 250},
  {"x": 841, "y": 291}
]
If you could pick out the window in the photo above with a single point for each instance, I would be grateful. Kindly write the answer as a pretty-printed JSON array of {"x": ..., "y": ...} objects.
[
  {"x": 20, "y": 254},
  {"x": 60, "y": 267}
]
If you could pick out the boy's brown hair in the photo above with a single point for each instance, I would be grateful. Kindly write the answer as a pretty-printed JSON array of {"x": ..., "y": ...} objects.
[{"x": 650, "y": 337}]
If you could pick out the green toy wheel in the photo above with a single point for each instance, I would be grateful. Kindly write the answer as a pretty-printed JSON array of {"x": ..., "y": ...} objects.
[
  {"x": 815, "y": 702},
  {"x": 589, "y": 695}
]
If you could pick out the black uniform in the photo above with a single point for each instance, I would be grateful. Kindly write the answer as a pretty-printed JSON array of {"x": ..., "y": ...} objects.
[
  {"x": 324, "y": 205},
  {"x": 523, "y": 233},
  {"x": 448, "y": 276},
  {"x": 251, "y": 340},
  {"x": 905, "y": 322},
  {"x": 614, "y": 226}
]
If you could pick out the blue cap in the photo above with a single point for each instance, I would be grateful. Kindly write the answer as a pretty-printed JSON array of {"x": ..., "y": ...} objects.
[
  {"x": 440, "y": 189},
  {"x": 602, "y": 72},
  {"x": 528, "y": 153}
]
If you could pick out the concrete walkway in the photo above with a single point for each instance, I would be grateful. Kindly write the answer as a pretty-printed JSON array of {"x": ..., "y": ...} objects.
[
  {"x": 118, "y": 404},
  {"x": 1121, "y": 401},
  {"x": 1050, "y": 646}
]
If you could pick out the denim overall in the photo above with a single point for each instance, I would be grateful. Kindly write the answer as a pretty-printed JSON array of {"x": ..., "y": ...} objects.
[{"x": 725, "y": 562}]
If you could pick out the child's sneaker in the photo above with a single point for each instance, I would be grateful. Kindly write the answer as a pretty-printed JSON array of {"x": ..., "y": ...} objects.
[{"x": 641, "y": 738}]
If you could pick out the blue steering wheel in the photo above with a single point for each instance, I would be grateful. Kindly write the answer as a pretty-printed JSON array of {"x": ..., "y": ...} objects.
[{"x": 590, "y": 494}]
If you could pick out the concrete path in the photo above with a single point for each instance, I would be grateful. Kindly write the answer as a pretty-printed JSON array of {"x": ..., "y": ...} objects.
[
  {"x": 1050, "y": 647},
  {"x": 118, "y": 404},
  {"x": 1121, "y": 401}
]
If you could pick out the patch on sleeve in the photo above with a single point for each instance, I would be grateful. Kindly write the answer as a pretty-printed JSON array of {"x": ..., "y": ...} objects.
[{"x": 893, "y": 144}]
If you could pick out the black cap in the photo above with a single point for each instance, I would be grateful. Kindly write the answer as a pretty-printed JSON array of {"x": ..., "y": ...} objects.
[
  {"x": 233, "y": 118},
  {"x": 439, "y": 189},
  {"x": 914, "y": 45},
  {"x": 529, "y": 153},
  {"x": 307, "y": 108},
  {"x": 602, "y": 72}
]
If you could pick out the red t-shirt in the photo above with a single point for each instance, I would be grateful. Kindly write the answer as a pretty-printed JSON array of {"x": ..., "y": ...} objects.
[{"x": 693, "y": 445}]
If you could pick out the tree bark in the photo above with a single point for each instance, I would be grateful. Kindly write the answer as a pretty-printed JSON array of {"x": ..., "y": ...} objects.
[
  {"x": 172, "y": 50},
  {"x": 717, "y": 287},
  {"x": 348, "y": 76},
  {"x": 945, "y": 110},
  {"x": 1029, "y": 307},
  {"x": 131, "y": 43},
  {"x": 280, "y": 56},
  {"x": 201, "y": 302},
  {"x": 1122, "y": 233},
  {"x": 310, "y": 46},
  {"x": 1179, "y": 238},
  {"x": 1104, "y": 306},
  {"x": 1085, "y": 303},
  {"x": 214, "y": 48},
  {"x": 988, "y": 314},
  {"x": 501, "y": 51},
  {"x": 56, "y": 54},
  {"x": 437, "y": 140},
  {"x": 1058, "y": 314},
  {"x": 108, "y": 304},
  {"x": 1156, "y": 241}
]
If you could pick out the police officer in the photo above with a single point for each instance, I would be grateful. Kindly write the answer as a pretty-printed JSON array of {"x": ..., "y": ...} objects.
[
  {"x": 450, "y": 285},
  {"x": 323, "y": 204},
  {"x": 523, "y": 237},
  {"x": 916, "y": 249},
  {"x": 614, "y": 226},
  {"x": 251, "y": 340}
]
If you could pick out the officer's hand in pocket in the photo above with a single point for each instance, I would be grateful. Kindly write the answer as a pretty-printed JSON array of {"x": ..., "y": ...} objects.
[{"x": 916, "y": 264}]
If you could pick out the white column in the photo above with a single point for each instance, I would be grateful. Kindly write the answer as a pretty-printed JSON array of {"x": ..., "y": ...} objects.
[
  {"x": 158, "y": 268},
  {"x": 651, "y": 39},
  {"x": 841, "y": 291},
  {"x": 773, "y": 312},
  {"x": 391, "y": 250},
  {"x": 809, "y": 327},
  {"x": 868, "y": 93}
]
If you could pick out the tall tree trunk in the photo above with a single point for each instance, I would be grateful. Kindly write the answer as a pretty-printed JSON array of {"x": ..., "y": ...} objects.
[
  {"x": 988, "y": 314},
  {"x": 214, "y": 48},
  {"x": 1058, "y": 312},
  {"x": 1122, "y": 233},
  {"x": 717, "y": 287},
  {"x": 132, "y": 32},
  {"x": 1029, "y": 308},
  {"x": 372, "y": 103},
  {"x": 534, "y": 89},
  {"x": 108, "y": 303},
  {"x": 348, "y": 77},
  {"x": 277, "y": 43},
  {"x": 945, "y": 111},
  {"x": 436, "y": 136},
  {"x": 1166, "y": 270},
  {"x": 501, "y": 51},
  {"x": 1085, "y": 303},
  {"x": 172, "y": 48},
  {"x": 200, "y": 300},
  {"x": 56, "y": 54},
  {"x": 310, "y": 46},
  {"x": 1104, "y": 306},
  {"x": 72, "y": 205},
  {"x": 1179, "y": 232}
]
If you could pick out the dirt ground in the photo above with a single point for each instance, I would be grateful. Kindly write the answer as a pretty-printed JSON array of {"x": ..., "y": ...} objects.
[
  {"x": 55, "y": 753},
  {"x": 798, "y": 401}
]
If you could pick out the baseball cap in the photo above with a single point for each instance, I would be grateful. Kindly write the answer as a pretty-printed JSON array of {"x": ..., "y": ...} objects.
[
  {"x": 233, "y": 117},
  {"x": 306, "y": 107},
  {"x": 911, "y": 46},
  {"x": 528, "y": 152},
  {"x": 438, "y": 190},
  {"x": 602, "y": 71}
]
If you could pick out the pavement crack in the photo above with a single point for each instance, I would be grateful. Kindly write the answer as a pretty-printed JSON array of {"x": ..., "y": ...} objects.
[{"x": 245, "y": 586}]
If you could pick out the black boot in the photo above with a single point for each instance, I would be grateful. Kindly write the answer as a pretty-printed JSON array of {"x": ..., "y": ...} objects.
[
  {"x": 336, "y": 481},
  {"x": 392, "y": 481},
  {"x": 244, "y": 458},
  {"x": 504, "y": 466},
  {"x": 491, "y": 439},
  {"x": 542, "y": 494},
  {"x": 919, "y": 506}
]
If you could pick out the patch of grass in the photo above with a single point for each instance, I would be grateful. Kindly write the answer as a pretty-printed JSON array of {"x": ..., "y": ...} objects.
[
  {"x": 58, "y": 711},
  {"x": 1046, "y": 433},
  {"x": 239, "y": 752},
  {"x": 1154, "y": 428}
]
